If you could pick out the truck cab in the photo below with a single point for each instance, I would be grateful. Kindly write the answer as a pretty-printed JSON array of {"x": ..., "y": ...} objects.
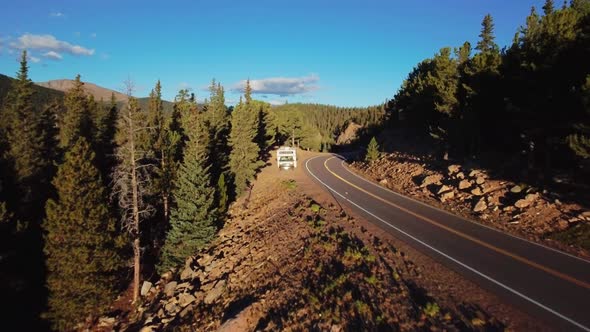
[{"x": 286, "y": 157}]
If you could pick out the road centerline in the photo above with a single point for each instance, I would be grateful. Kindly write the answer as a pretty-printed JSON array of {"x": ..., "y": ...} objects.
[{"x": 463, "y": 235}]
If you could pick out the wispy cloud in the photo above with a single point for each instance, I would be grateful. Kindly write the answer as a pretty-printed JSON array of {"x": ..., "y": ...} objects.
[
  {"x": 33, "y": 59},
  {"x": 49, "y": 43},
  {"x": 52, "y": 55},
  {"x": 282, "y": 86},
  {"x": 57, "y": 14}
]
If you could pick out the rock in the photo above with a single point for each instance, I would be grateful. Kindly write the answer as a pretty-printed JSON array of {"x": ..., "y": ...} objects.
[
  {"x": 464, "y": 184},
  {"x": 170, "y": 288},
  {"x": 522, "y": 203},
  {"x": 474, "y": 173},
  {"x": 557, "y": 202},
  {"x": 516, "y": 189},
  {"x": 476, "y": 192},
  {"x": 216, "y": 292},
  {"x": 145, "y": 288},
  {"x": 460, "y": 176},
  {"x": 185, "y": 299},
  {"x": 443, "y": 189},
  {"x": 480, "y": 180},
  {"x": 172, "y": 306},
  {"x": 187, "y": 273},
  {"x": 167, "y": 276},
  {"x": 480, "y": 206},
  {"x": 150, "y": 328},
  {"x": 384, "y": 181},
  {"x": 185, "y": 311},
  {"x": 106, "y": 321},
  {"x": 447, "y": 195},
  {"x": 453, "y": 169},
  {"x": 431, "y": 179}
]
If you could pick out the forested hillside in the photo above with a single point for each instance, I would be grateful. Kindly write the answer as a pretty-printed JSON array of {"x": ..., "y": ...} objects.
[
  {"x": 529, "y": 99},
  {"x": 316, "y": 127}
]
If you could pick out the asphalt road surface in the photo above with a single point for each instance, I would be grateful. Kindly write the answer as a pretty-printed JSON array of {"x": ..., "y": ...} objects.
[{"x": 548, "y": 284}]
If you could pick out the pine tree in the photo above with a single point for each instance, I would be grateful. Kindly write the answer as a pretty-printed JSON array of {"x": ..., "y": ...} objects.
[
  {"x": 486, "y": 38},
  {"x": 372, "y": 151},
  {"x": 193, "y": 216},
  {"x": 158, "y": 145},
  {"x": 77, "y": 120},
  {"x": 27, "y": 150},
  {"x": 222, "y": 194},
  {"x": 80, "y": 242},
  {"x": 245, "y": 151},
  {"x": 548, "y": 7}
]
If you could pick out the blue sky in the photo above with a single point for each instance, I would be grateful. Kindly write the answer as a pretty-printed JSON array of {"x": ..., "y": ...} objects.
[{"x": 347, "y": 53}]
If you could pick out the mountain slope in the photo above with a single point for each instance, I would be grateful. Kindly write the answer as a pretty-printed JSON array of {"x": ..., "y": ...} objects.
[
  {"x": 92, "y": 89},
  {"x": 42, "y": 95}
]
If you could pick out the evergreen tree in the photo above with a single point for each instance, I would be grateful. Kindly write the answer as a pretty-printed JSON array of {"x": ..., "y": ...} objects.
[
  {"x": 105, "y": 141},
  {"x": 548, "y": 7},
  {"x": 222, "y": 194},
  {"x": 159, "y": 147},
  {"x": 76, "y": 120},
  {"x": 193, "y": 216},
  {"x": 486, "y": 37},
  {"x": 245, "y": 151},
  {"x": 80, "y": 242},
  {"x": 372, "y": 150},
  {"x": 27, "y": 149}
]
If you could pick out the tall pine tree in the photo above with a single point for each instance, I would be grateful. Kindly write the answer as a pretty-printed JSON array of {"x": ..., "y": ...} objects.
[
  {"x": 77, "y": 119},
  {"x": 193, "y": 216},
  {"x": 245, "y": 151},
  {"x": 80, "y": 242}
]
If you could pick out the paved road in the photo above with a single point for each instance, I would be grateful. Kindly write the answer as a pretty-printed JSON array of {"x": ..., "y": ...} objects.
[{"x": 548, "y": 284}]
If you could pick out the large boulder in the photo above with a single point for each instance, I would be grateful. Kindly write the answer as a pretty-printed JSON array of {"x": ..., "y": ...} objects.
[
  {"x": 216, "y": 292},
  {"x": 170, "y": 288},
  {"x": 516, "y": 189},
  {"x": 480, "y": 206},
  {"x": 145, "y": 288},
  {"x": 446, "y": 196},
  {"x": 464, "y": 184},
  {"x": 453, "y": 169},
  {"x": 431, "y": 179}
]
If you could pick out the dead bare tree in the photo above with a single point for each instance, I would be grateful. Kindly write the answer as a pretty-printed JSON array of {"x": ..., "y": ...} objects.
[{"x": 131, "y": 178}]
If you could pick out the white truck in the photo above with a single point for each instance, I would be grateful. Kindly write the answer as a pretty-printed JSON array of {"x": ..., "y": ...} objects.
[{"x": 287, "y": 157}]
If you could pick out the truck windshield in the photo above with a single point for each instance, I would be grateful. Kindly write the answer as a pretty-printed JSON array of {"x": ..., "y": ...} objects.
[{"x": 286, "y": 158}]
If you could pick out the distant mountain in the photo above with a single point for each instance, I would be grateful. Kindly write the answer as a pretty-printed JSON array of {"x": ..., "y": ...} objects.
[
  {"x": 100, "y": 93},
  {"x": 92, "y": 89},
  {"x": 55, "y": 89},
  {"x": 42, "y": 96}
]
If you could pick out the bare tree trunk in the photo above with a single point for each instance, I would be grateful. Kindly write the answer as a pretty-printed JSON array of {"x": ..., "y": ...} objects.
[
  {"x": 135, "y": 202},
  {"x": 165, "y": 193}
]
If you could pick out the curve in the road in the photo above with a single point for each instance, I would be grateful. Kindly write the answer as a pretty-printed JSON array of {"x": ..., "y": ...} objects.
[{"x": 541, "y": 279}]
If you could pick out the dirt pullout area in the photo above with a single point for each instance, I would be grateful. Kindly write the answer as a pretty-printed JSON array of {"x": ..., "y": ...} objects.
[
  {"x": 515, "y": 208},
  {"x": 283, "y": 261}
]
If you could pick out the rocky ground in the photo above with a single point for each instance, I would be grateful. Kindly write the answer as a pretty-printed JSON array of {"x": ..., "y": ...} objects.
[
  {"x": 287, "y": 261},
  {"x": 527, "y": 211}
]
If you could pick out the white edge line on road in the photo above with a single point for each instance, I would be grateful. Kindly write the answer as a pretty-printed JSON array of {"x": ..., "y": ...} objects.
[
  {"x": 460, "y": 217},
  {"x": 447, "y": 256}
]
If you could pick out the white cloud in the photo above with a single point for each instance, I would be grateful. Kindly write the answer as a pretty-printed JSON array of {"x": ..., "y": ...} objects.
[
  {"x": 57, "y": 14},
  {"x": 49, "y": 43},
  {"x": 282, "y": 86},
  {"x": 33, "y": 59},
  {"x": 52, "y": 55}
]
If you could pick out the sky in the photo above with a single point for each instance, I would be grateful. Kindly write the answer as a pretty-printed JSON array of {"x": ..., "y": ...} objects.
[{"x": 345, "y": 53}]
